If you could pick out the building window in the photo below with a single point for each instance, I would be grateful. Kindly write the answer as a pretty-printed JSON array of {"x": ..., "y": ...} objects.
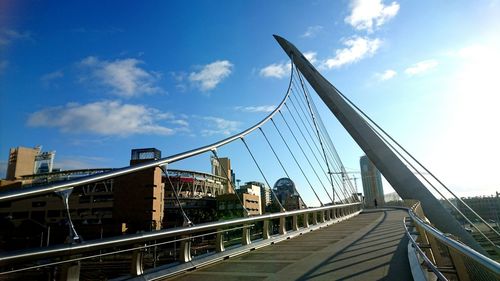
[
  {"x": 38, "y": 204},
  {"x": 53, "y": 213},
  {"x": 20, "y": 215}
]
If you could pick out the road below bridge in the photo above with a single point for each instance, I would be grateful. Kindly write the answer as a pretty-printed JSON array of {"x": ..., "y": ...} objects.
[{"x": 370, "y": 246}]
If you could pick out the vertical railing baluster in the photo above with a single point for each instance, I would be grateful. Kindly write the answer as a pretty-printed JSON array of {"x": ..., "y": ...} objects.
[
  {"x": 295, "y": 223},
  {"x": 306, "y": 220},
  {"x": 282, "y": 226},
  {"x": 459, "y": 264},
  {"x": 245, "y": 235},
  {"x": 70, "y": 271},
  {"x": 185, "y": 250},
  {"x": 137, "y": 266},
  {"x": 265, "y": 230},
  {"x": 219, "y": 241}
]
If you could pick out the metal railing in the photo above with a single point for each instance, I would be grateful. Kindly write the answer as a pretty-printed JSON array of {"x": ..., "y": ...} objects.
[
  {"x": 70, "y": 255},
  {"x": 448, "y": 258}
]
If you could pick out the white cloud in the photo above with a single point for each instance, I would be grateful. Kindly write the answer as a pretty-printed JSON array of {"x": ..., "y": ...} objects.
[
  {"x": 253, "y": 109},
  {"x": 101, "y": 118},
  {"x": 9, "y": 35},
  {"x": 211, "y": 74},
  {"x": 49, "y": 77},
  {"x": 421, "y": 67},
  {"x": 124, "y": 77},
  {"x": 312, "y": 31},
  {"x": 276, "y": 70},
  {"x": 367, "y": 14},
  {"x": 76, "y": 162},
  {"x": 311, "y": 57},
  {"x": 386, "y": 75},
  {"x": 219, "y": 126},
  {"x": 357, "y": 48}
]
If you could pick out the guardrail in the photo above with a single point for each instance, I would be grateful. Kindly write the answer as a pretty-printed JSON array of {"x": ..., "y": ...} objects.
[
  {"x": 448, "y": 258},
  {"x": 67, "y": 257}
]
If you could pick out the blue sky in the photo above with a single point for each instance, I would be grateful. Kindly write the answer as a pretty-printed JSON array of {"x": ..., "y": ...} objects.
[{"x": 93, "y": 80}]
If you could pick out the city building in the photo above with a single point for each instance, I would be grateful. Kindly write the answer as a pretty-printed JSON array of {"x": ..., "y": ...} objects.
[
  {"x": 488, "y": 207},
  {"x": 21, "y": 162},
  {"x": 372, "y": 183},
  {"x": 196, "y": 192},
  {"x": 142, "y": 201},
  {"x": 265, "y": 194},
  {"x": 222, "y": 167},
  {"x": 230, "y": 205},
  {"x": 287, "y": 194},
  {"x": 138, "y": 197}
]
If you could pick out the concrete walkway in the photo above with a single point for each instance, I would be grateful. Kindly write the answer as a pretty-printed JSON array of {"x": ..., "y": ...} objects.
[{"x": 370, "y": 246}]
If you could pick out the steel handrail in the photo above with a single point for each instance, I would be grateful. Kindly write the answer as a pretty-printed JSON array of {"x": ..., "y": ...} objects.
[
  {"x": 17, "y": 194},
  {"x": 99, "y": 244},
  {"x": 488, "y": 263},
  {"x": 427, "y": 261}
]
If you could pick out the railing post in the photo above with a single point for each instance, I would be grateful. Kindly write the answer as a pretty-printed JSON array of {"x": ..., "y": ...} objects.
[
  {"x": 185, "y": 250},
  {"x": 306, "y": 220},
  {"x": 436, "y": 253},
  {"x": 137, "y": 266},
  {"x": 295, "y": 223},
  {"x": 322, "y": 216},
  {"x": 282, "y": 226},
  {"x": 245, "y": 235},
  {"x": 315, "y": 218},
  {"x": 265, "y": 230},
  {"x": 70, "y": 271},
  {"x": 327, "y": 215},
  {"x": 459, "y": 265},
  {"x": 219, "y": 241}
]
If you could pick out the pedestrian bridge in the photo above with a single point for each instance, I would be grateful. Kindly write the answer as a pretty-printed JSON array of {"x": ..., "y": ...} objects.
[
  {"x": 338, "y": 240},
  {"x": 370, "y": 246}
]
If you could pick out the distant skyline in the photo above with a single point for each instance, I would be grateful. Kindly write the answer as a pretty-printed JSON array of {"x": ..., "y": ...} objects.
[{"x": 95, "y": 80}]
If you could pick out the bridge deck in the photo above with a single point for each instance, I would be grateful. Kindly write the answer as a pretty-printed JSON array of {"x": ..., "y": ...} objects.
[{"x": 370, "y": 246}]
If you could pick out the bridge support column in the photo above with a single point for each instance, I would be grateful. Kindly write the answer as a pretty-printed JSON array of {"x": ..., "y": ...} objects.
[
  {"x": 185, "y": 250},
  {"x": 70, "y": 271},
  {"x": 265, "y": 230},
  {"x": 245, "y": 236},
  {"x": 219, "y": 241},
  {"x": 295, "y": 223},
  {"x": 282, "y": 226},
  {"x": 137, "y": 266},
  {"x": 306, "y": 220}
]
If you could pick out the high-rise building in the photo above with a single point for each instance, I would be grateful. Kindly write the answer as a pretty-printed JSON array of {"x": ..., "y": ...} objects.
[
  {"x": 21, "y": 162},
  {"x": 372, "y": 183},
  {"x": 145, "y": 189},
  {"x": 287, "y": 194},
  {"x": 222, "y": 167}
]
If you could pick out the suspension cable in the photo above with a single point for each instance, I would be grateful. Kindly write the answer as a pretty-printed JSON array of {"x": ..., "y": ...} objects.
[
  {"x": 315, "y": 157},
  {"x": 326, "y": 136},
  {"x": 262, "y": 173},
  {"x": 305, "y": 155},
  {"x": 229, "y": 182},
  {"x": 297, "y": 162},
  {"x": 446, "y": 199},
  {"x": 317, "y": 132},
  {"x": 187, "y": 221},
  {"x": 418, "y": 162},
  {"x": 279, "y": 161}
]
